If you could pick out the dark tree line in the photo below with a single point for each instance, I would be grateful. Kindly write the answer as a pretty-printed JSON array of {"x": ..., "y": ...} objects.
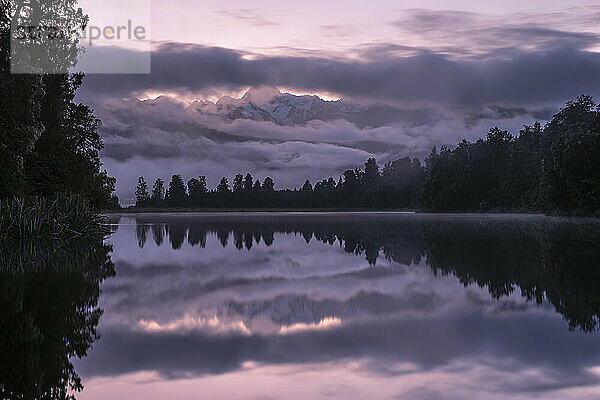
[
  {"x": 554, "y": 168},
  {"x": 48, "y": 143},
  {"x": 397, "y": 185}
]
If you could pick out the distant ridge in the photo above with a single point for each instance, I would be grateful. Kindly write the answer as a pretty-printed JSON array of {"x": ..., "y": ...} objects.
[{"x": 266, "y": 103}]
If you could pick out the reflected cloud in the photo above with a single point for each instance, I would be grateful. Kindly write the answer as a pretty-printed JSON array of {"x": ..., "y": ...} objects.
[
  {"x": 189, "y": 322},
  {"x": 520, "y": 252},
  {"x": 439, "y": 302},
  {"x": 325, "y": 323}
]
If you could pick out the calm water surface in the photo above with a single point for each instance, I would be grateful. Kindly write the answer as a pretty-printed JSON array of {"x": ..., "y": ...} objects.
[{"x": 362, "y": 306}]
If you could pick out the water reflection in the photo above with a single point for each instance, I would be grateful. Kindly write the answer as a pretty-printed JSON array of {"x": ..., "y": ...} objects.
[
  {"x": 49, "y": 292},
  {"x": 554, "y": 259},
  {"x": 371, "y": 305}
]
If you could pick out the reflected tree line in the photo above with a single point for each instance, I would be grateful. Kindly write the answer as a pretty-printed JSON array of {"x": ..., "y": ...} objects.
[
  {"x": 49, "y": 290},
  {"x": 555, "y": 169},
  {"x": 554, "y": 260},
  {"x": 50, "y": 307}
]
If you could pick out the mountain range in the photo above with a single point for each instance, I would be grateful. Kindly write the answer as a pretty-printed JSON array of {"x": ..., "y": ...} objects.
[{"x": 269, "y": 104}]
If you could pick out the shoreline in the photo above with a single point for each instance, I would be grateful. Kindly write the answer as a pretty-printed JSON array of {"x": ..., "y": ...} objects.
[
  {"x": 208, "y": 211},
  {"x": 134, "y": 211},
  {"x": 191, "y": 210}
]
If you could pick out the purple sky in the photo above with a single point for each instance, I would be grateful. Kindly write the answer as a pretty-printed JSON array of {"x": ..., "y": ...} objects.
[{"x": 448, "y": 70}]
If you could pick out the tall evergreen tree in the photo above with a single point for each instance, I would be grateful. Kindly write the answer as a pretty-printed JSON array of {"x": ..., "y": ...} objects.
[
  {"x": 203, "y": 188},
  {"x": 194, "y": 193},
  {"x": 176, "y": 191},
  {"x": 371, "y": 175},
  {"x": 158, "y": 193},
  {"x": 141, "y": 192},
  {"x": 238, "y": 183},
  {"x": 223, "y": 186},
  {"x": 248, "y": 183},
  {"x": 268, "y": 185},
  {"x": 307, "y": 187}
]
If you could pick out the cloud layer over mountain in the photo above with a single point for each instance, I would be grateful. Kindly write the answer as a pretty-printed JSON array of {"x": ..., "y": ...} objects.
[{"x": 449, "y": 75}]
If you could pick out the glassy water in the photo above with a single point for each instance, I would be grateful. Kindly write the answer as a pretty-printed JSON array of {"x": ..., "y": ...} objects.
[{"x": 345, "y": 305}]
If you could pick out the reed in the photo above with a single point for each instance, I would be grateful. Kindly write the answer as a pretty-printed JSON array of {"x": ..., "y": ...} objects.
[{"x": 60, "y": 217}]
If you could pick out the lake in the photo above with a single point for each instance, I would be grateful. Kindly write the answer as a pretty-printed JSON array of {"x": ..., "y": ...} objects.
[{"x": 345, "y": 305}]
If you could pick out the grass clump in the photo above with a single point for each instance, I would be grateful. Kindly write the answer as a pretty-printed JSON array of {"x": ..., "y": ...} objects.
[{"x": 61, "y": 217}]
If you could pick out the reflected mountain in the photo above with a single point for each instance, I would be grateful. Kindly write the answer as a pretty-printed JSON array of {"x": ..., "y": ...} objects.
[
  {"x": 553, "y": 259},
  {"x": 49, "y": 291},
  {"x": 406, "y": 305}
]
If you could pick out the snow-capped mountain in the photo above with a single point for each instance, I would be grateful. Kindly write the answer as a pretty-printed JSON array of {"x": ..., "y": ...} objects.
[{"x": 269, "y": 104}]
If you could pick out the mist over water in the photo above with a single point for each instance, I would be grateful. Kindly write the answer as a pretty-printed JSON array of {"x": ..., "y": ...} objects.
[{"x": 362, "y": 305}]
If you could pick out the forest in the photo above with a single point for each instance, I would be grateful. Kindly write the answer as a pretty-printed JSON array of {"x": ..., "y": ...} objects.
[
  {"x": 553, "y": 169},
  {"x": 50, "y": 146},
  {"x": 52, "y": 251},
  {"x": 49, "y": 143}
]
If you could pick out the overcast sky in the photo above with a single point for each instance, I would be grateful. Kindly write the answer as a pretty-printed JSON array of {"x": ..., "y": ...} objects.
[{"x": 467, "y": 65}]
